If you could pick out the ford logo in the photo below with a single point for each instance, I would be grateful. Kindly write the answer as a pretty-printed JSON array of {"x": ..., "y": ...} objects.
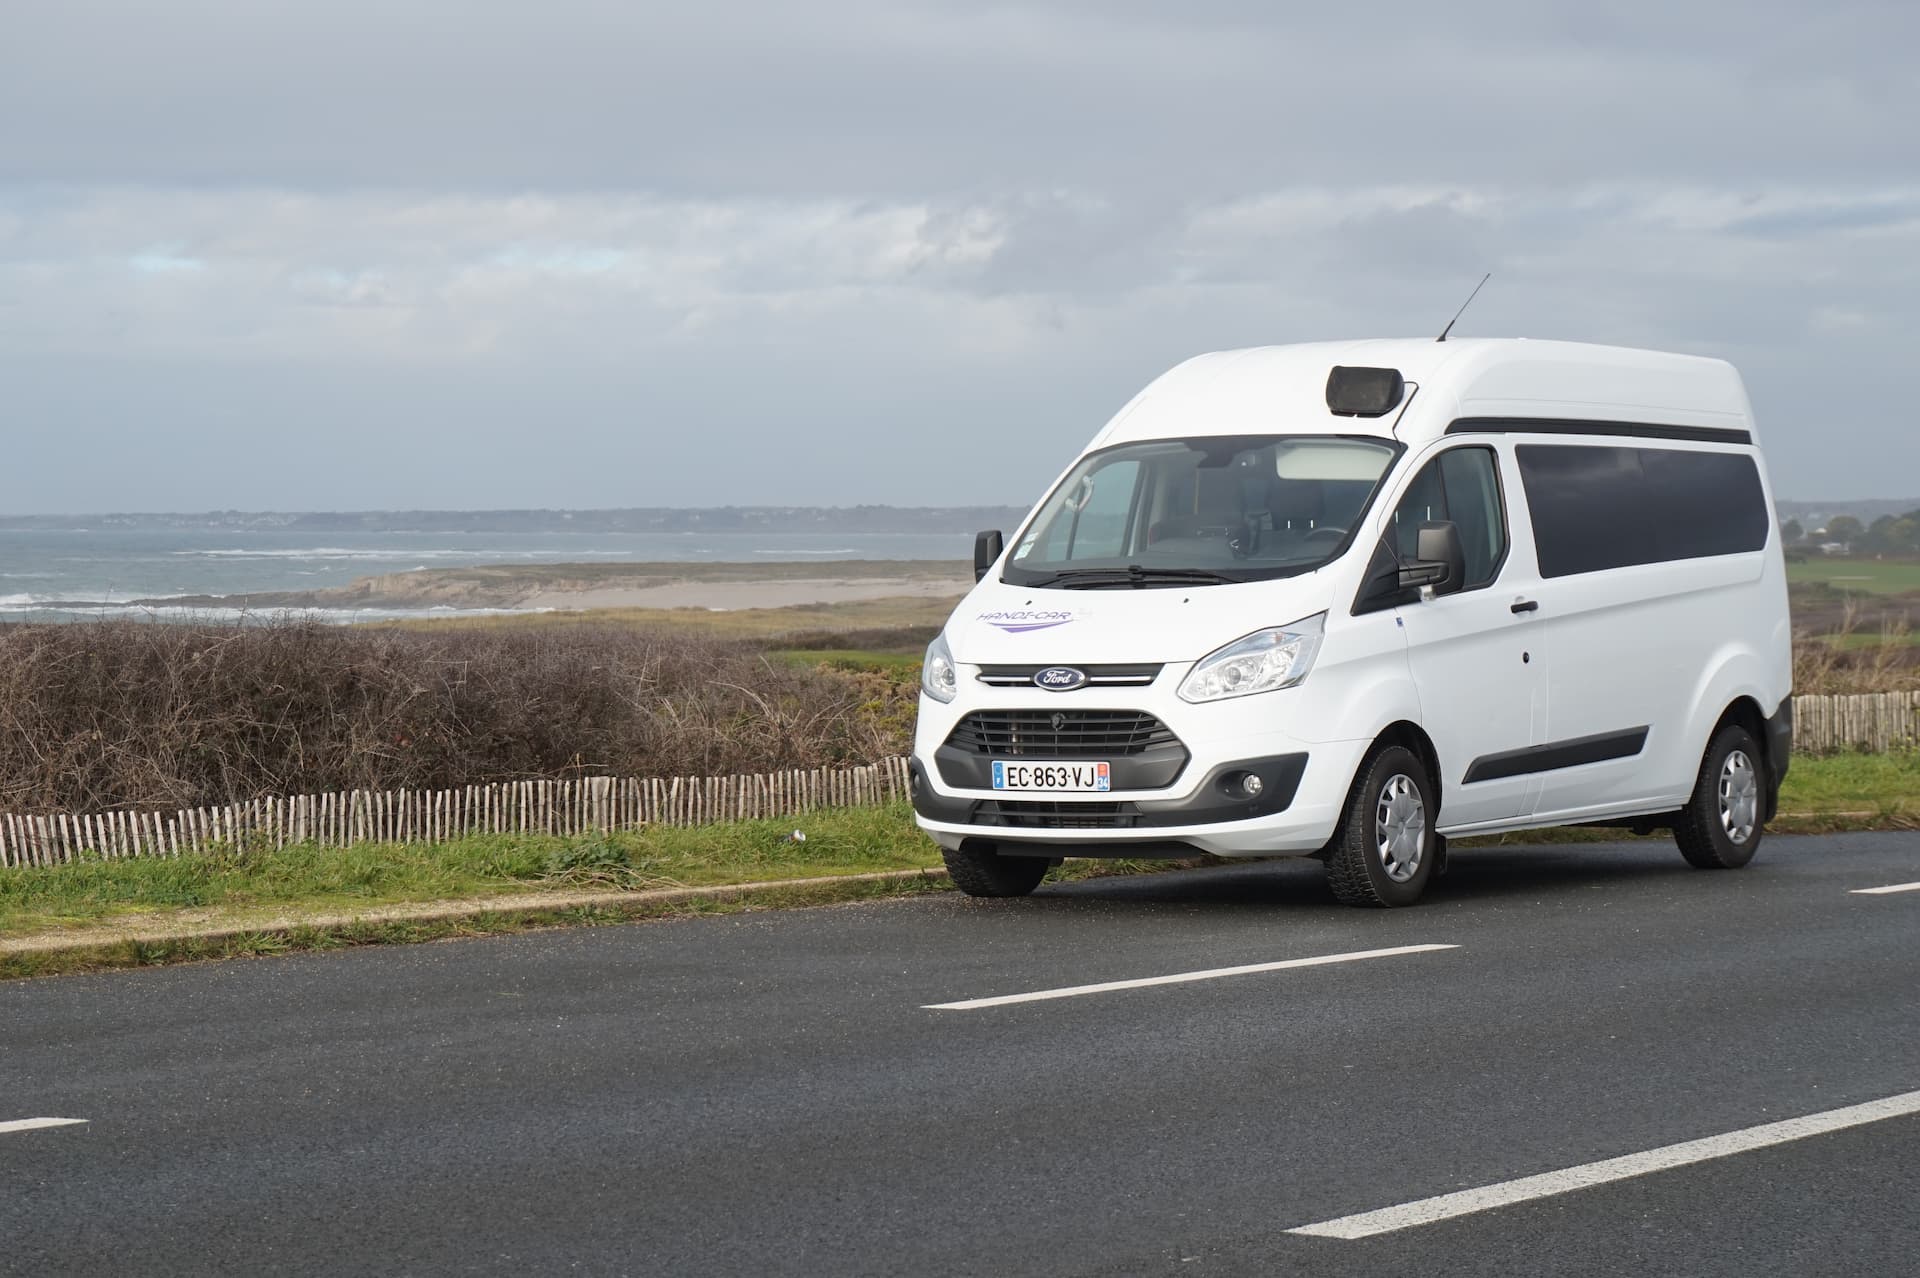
[{"x": 1060, "y": 679}]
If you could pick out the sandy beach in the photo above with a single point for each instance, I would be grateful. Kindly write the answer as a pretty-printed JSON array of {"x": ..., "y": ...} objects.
[{"x": 583, "y": 587}]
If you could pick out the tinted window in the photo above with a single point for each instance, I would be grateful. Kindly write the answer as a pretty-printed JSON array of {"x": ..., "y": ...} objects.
[
  {"x": 1460, "y": 485},
  {"x": 1596, "y": 508}
]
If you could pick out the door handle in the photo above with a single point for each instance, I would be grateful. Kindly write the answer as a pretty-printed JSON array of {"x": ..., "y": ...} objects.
[{"x": 1525, "y": 605}]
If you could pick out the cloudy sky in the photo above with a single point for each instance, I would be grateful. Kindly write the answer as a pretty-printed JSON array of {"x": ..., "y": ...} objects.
[{"x": 482, "y": 253}]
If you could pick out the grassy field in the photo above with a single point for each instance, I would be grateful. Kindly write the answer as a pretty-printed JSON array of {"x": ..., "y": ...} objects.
[
  {"x": 901, "y": 661},
  {"x": 905, "y": 612},
  {"x": 1858, "y": 642},
  {"x": 1859, "y": 576}
]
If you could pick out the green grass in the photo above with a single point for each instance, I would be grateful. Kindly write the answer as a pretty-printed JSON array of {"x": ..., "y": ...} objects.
[
  {"x": 886, "y": 662},
  {"x": 1887, "y": 785},
  {"x": 1859, "y": 576},
  {"x": 337, "y": 880}
]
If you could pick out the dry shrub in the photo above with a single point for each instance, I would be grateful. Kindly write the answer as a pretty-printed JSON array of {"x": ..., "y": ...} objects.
[
  {"x": 117, "y": 714},
  {"x": 1837, "y": 662},
  {"x": 874, "y": 639}
]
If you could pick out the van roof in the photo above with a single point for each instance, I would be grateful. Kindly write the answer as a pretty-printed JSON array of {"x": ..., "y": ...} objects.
[{"x": 1282, "y": 389}]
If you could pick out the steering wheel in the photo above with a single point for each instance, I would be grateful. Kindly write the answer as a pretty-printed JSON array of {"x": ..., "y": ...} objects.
[{"x": 1327, "y": 531}]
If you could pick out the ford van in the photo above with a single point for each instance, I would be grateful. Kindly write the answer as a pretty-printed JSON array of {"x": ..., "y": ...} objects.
[{"x": 1350, "y": 600}]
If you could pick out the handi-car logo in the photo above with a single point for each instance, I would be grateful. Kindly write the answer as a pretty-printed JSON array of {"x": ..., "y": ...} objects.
[{"x": 1019, "y": 621}]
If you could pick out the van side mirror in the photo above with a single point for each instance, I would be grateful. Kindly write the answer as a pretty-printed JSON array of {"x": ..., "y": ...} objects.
[
  {"x": 1439, "y": 560},
  {"x": 986, "y": 551}
]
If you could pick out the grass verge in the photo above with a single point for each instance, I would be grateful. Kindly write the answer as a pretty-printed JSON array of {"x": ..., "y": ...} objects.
[
  {"x": 256, "y": 900},
  {"x": 233, "y": 884}
]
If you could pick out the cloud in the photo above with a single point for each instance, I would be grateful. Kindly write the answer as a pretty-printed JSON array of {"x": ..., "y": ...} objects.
[
  {"x": 888, "y": 98},
  {"x": 887, "y": 251}
]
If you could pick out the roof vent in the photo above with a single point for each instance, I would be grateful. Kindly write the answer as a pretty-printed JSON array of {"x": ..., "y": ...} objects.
[{"x": 1364, "y": 392}]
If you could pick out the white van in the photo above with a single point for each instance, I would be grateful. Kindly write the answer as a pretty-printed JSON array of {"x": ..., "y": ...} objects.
[{"x": 1349, "y": 600}]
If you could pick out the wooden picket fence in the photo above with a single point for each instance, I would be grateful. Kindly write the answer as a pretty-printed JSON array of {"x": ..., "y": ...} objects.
[
  {"x": 394, "y": 816},
  {"x": 1875, "y": 722},
  {"x": 1871, "y": 721}
]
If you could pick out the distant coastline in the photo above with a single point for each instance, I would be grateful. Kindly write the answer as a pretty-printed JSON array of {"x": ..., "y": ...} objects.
[{"x": 639, "y": 519}]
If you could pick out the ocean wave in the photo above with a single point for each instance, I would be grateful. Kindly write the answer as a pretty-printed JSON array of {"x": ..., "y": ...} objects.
[
  {"x": 12, "y": 605},
  {"x": 80, "y": 602}
]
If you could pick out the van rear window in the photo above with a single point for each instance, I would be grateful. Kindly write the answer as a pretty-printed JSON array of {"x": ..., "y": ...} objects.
[{"x": 1597, "y": 507}]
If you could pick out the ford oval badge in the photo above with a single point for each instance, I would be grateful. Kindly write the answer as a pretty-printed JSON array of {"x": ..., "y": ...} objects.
[{"x": 1059, "y": 678}]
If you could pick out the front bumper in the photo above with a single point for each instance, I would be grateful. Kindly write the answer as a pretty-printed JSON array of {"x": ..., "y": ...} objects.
[{"x": 1220, "y": 797}]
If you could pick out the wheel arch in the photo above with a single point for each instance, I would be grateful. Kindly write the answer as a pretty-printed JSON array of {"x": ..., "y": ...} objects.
[
  {"x": 1404, "y": 732},
  {"x": 1745, "y": 711}
]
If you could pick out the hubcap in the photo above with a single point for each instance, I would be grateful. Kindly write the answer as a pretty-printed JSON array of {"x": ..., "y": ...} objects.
[
  {"x": 1400, "y": 827},
  {"x": 1739, "y": 797}
]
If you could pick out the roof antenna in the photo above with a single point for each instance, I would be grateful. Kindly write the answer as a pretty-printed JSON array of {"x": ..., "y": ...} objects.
[{"x": 1463, "y": 307}]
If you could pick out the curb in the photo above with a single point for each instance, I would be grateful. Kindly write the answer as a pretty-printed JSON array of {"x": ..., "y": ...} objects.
[{"x": 45, "y": 953}]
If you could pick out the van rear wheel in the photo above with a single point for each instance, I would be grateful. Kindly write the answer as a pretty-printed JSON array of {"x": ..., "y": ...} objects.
[
  {"x": 1720, "y": 827},
  {"x": 982, "y": 871},
  {"x": 1385, "y": 850}
]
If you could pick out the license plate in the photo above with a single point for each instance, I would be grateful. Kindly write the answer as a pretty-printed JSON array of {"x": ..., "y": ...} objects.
[{"x": 1053, "y": 778}]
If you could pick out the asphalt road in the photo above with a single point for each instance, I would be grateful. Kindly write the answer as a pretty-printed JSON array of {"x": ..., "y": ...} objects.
[{"x": 769, "y": 1094}]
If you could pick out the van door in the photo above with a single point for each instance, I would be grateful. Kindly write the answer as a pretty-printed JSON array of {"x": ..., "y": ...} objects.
[
  {"x": 1644, "y": 547},
  {"x": 1476, "y": 652}
]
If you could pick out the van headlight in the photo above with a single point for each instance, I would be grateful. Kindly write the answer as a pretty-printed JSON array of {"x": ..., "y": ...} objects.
[
  {"x": 1259, "y": 662},
  {"x": 938, "y": 678}
]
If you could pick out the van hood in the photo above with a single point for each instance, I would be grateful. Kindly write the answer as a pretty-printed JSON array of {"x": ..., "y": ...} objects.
[{"x": 1000, "y": 624}]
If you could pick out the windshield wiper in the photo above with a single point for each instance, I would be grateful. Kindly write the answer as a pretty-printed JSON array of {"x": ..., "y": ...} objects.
[{"x": 1137, "y": 577}]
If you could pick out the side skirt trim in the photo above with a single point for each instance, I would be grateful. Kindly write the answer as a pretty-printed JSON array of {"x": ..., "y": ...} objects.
[{"x": 1556, "y": 755}]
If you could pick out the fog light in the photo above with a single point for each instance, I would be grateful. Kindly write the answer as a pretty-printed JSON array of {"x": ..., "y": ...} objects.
[{"x": 1251, "y": 785}]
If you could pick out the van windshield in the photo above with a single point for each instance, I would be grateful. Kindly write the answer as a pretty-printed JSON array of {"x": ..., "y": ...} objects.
[{"x": 1201, "y": 511}]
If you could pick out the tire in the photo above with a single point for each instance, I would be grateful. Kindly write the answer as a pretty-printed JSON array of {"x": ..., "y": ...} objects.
[
  {"x": 1721, "y": 825},
  {"x": 984, "y": 872},
  {"x": 1385, "y": 850}
]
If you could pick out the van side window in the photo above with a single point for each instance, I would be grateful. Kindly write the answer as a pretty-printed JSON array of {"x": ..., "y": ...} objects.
[
  {"x": 1599, "y": 507},
  {"x": 1461, "y": 485}
]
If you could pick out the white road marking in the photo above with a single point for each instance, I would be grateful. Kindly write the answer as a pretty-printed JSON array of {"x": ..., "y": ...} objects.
[
  {"x": 1882, "y": 891},
  {"x": 32, "y": 1124},
  {"x": 1178, "y": 978},
  {"x": 1426, "y": 1211}
]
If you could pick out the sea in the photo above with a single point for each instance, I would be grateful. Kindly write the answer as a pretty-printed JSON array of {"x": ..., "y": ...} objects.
[{"x": 71, "y": 574}]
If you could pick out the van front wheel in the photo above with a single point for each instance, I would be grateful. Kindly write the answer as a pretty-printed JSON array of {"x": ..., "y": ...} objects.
[
  {"x": 1385, "y": 849},
  {"x": 1720, "y": 827},
  {"x": 981, "y": 871}
]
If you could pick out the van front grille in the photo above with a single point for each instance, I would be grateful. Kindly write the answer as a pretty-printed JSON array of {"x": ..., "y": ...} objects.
[
  {"x": 1060, "y": 734},
  {"x": 1043, "y": 814}
]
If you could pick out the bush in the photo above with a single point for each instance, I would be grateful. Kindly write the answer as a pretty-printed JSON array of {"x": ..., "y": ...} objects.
[{"x": 121, "y": 714}]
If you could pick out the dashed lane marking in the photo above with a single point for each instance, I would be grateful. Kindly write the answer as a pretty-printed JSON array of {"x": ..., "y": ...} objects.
[
  {"x": 1179, "y": 978},
  {"x": 1882, "y": 891},
  {"x": 1426, "y": 1211},
  {"x": 34, "y": 1124}
]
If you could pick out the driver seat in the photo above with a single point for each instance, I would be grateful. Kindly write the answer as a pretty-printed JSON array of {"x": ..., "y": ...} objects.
[{"x": 1295, "y": 504}]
